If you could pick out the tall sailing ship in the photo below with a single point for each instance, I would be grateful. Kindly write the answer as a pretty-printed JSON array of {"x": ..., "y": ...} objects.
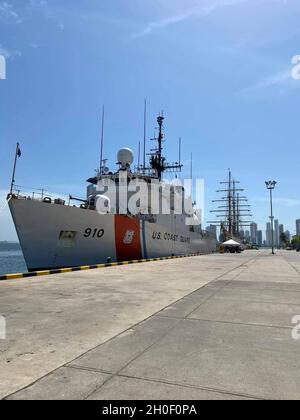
[
  {"x": 232, "y": 208},
  {"x": 55, "y": 233}
]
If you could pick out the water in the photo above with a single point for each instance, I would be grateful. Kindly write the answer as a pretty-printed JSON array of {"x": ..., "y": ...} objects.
[{"x": 11, "y": 259}]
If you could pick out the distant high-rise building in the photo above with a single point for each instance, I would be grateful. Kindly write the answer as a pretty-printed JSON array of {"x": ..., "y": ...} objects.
[
  {"x": 298, "y": 227},
  {"x": 259, "y": 238},
  {"x": 276, "y": 233},
  {"x": 281, "y": 230},
  {"x": 247, "y": 236},
  {"x": 288, "y": 235},
  {"x": 268, "y": 234},
  {"x": 253, "y": 233},
  {"x": 242, "y": 234},
  {"x": 213, "y": 230}
]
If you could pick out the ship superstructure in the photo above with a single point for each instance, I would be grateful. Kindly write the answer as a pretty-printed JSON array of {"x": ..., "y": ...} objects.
[{"x": 114, "y": 222}]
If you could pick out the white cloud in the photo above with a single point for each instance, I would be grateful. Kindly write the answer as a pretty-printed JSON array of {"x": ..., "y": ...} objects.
[
  {"x": 11, "y": 14},
  {"x": 152, "y": 26},
  {"x": 281, "y": 80},
  {"x": 200, "y": 10},
  {"x": 37, "y": 3},
  {"x": 8, "y": 53},
  {"x": 8, "y": 14},
  {"x": 275, "y": 79}
]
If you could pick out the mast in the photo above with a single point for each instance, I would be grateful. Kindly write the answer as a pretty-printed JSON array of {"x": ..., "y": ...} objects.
[
  {"x": 179, "y": 157},
  {"x": 139, "y": 156},
  {"x": 232, "y": 211},
  {"x": 238, "y": 213},
  {"x": 191, "y": 176},
  {"x": 160, "y": 159},
  {"x": 17, "y": 154},
  {"x": 234, "y": 219},
  {"x": 145, "y": 135},
  {"x": 229, "y": 204},
  {"x": 157, "y": 160},
  {"x": 102, "y": 141},
  {"x": 158, "y": 164}
]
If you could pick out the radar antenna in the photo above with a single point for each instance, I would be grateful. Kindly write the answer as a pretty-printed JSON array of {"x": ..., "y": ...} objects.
[{"x": 158, "y": 161}]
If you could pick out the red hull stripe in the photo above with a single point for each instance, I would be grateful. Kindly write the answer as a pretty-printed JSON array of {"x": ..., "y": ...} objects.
[{"x": 128, "y": 238}]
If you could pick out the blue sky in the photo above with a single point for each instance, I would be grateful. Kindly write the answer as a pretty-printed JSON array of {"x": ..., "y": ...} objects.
[{"x": 220, "y": 70}]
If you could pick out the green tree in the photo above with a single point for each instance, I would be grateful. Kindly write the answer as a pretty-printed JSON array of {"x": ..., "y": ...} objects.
[
  {"x": 283, "y": 239},
  {"x": 296, "y": 242}
]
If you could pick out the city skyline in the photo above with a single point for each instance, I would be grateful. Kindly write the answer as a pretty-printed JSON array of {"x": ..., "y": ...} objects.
[{"x": 254, "y": 233}]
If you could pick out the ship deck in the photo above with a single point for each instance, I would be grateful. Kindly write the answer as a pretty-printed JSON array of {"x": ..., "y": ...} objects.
[{"x": 217, "y": 326}]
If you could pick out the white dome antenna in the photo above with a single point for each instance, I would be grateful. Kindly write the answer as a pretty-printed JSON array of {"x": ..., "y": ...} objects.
[{"x": 125, "y": 158}]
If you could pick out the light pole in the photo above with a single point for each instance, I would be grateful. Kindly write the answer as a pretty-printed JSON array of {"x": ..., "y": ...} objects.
[{"x": 271, "y": 185}]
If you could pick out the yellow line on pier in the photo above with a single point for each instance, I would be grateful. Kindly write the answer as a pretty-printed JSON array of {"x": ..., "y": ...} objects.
[{"x": 88, "y": 267}]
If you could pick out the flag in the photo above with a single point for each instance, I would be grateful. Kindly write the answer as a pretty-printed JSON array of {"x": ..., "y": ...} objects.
[{"x": 19, "y": 153}]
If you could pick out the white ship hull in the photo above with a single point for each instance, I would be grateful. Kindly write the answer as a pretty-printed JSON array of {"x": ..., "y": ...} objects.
[{"x": 56, "y": 236}]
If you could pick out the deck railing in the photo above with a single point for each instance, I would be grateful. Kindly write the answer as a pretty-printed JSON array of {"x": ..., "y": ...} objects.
[{"x": 38, "y": 194}]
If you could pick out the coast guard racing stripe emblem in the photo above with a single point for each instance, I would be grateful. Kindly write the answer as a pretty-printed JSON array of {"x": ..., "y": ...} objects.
[{"x": 128, "y": 238}]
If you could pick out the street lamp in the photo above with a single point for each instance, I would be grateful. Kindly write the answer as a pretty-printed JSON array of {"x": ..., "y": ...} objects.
[{"x": 271, "y": 185}]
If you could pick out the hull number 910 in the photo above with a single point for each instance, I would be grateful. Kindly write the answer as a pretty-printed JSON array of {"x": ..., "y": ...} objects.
[{"x": 93, "y": 233}]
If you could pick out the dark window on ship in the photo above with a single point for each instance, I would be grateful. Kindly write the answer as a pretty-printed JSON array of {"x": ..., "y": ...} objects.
[
  {"x": 67, "y": 234},
  {"x": 67, "y": 239}
]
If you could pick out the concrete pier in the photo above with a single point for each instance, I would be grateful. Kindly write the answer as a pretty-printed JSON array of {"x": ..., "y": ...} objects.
[{"x": 208, "y": 327}]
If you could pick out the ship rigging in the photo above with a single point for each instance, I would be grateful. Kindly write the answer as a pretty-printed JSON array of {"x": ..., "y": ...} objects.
[{"x": 232, "y": 210}]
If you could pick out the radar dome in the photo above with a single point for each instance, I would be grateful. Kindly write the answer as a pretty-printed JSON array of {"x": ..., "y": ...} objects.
[{"x": 125, "y": 157}]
